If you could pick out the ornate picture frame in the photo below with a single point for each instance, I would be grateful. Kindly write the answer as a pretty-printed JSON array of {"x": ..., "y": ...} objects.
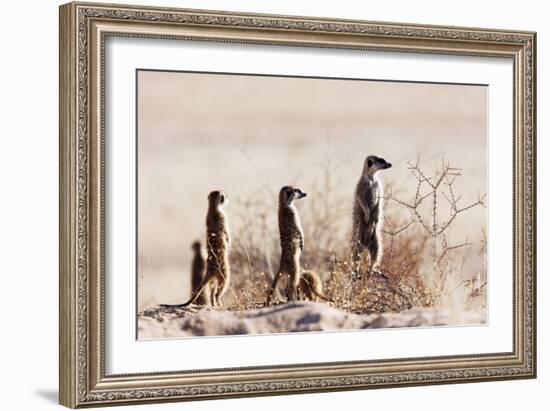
[{"x": 84, "y": 29}]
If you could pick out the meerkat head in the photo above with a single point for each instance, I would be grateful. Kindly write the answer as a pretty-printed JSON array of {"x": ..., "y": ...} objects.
[
  {"x": 374, "y": 164},
  {"x": 196, "y": 246},
  {"x": 288, "y": 194},
  {"x": 217, "y": 198}
]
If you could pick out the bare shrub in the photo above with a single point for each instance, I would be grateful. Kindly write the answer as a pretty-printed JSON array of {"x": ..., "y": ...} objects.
[
  {"x": 421, "y": 268},
  {"x": 435, "y": 219}
]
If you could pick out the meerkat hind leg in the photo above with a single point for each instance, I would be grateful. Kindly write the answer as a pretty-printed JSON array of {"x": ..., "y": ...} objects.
[
  {"x": 206, "y": 298},
  {"x": 356, "y": 259},
  {"x": 294, "y": 279},
  {"x": 273, "y": 287},
  {"x": 219, "y": 292},
  {"x": 375, "y": 255},
  {"x": 299, "y": 296},
  {"x": 292, "y": 291},
  {"x": 213, "y": 293}
]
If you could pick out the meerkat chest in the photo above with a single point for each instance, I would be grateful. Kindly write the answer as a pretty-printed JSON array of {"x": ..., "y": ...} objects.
[
  {"x": 376, "y": 191},
  {"x": 290, "y": 227},
  {"x": 372, "y": 193},
  {"x": 297, "y": 226}
]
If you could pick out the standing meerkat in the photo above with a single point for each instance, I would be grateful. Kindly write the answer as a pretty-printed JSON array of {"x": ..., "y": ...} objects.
[
  {"x": 311, "y": 286},
  {"x": 367, "y": 214},
  {"x": 218, "y": 275},
  {"x": 198, "y": 269},
  {"x": 292, "y": 242}
]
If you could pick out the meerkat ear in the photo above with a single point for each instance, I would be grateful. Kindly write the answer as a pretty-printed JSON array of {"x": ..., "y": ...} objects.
[{"x": 369, "y": 163}]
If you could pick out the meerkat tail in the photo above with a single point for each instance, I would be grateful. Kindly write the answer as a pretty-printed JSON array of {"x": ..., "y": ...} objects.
[
  {"x": 315, "y": 285},
  {"x": 320, "y": 295},
  {"x": 172, "y": 305},
  {"x": 191, "y": 300}
]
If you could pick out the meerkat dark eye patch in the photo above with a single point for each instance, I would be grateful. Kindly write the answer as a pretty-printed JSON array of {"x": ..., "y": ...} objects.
[{"x": 369, "y": 163}]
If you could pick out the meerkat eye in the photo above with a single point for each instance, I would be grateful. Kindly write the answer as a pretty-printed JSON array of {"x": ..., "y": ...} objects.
[
  {"x": 222, "y": 198},
  {"x": 369, "y": 162}
]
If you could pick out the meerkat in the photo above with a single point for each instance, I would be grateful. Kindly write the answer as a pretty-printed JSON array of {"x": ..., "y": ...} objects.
[
  {"x": 218, "y": 244},
  {"x": 367, "y": 215},
  {"x": 198, "y": 269},
  {"x": 311, "y": 286},
  {"x": 292, "y": 242}
]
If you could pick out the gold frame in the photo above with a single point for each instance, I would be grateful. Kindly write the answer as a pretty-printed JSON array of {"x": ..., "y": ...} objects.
[{"x": 83, "y": 30}]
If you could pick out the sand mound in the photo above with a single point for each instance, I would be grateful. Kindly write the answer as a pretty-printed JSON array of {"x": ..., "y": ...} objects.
[{"x": 159, "y": 322}]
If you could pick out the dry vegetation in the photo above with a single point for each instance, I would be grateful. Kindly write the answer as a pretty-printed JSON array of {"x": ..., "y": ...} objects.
[{"x": 421, "y": 267}]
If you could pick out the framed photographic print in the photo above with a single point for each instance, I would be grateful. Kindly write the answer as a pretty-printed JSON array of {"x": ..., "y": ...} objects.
[{"x": 260, "y": 204}]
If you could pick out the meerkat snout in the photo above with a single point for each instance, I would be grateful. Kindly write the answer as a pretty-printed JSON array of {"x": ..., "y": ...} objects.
[{"x": 299, "y": 193}]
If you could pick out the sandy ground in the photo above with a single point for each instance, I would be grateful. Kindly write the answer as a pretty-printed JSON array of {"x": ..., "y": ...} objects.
[{"x": 158, "y": 322}]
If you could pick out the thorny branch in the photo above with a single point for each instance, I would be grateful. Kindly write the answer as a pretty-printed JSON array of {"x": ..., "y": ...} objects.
[
  {"x": 437, "y": 184},
  {"x": 429, "y": 188}
]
